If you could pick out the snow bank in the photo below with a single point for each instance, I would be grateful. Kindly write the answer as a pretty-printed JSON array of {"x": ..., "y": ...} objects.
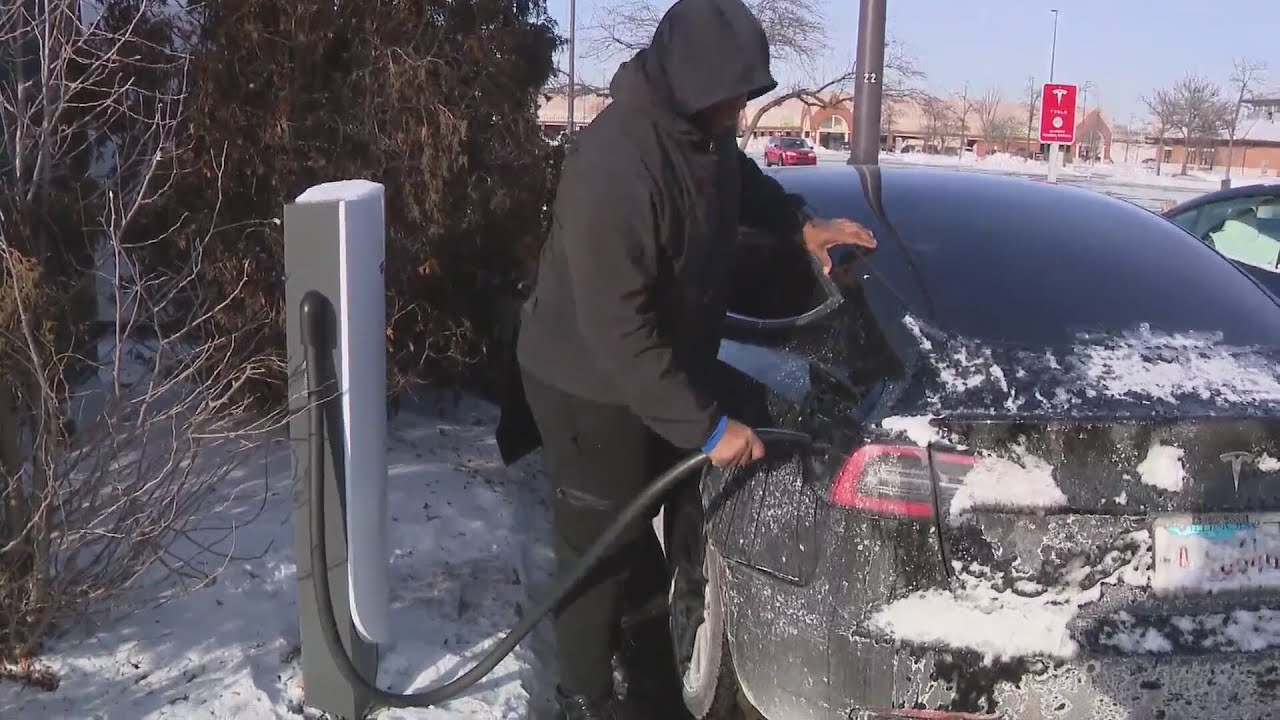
[{"x": 469, "y": 555}]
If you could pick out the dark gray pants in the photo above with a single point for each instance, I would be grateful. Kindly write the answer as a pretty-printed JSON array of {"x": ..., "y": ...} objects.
[{"x": 599, "y": 457}]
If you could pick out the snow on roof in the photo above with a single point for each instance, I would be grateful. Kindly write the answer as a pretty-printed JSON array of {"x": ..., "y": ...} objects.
[{"x": 1260, "y": 130}]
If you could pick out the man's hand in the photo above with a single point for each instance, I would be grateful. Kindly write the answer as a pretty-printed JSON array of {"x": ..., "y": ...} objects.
[
  {"x": 822, "y": 235},
  {"x": 738, "y": 446}
]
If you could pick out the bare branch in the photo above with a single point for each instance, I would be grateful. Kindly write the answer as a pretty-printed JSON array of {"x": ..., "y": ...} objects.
[
  {"x": 1194, "y": 109},
  {"x": 1247, "y": 76},
  {"x": 121, "y": 436},
  {"x": 796, "y": 29}
]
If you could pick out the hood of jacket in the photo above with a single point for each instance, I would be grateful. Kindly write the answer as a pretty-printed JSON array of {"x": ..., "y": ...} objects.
[{"x": 703, "y": 52}]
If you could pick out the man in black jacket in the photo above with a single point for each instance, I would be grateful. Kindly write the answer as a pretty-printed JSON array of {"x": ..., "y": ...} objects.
[{"x": 618, "y": 341}]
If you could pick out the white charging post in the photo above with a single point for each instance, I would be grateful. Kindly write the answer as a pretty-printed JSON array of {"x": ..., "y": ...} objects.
[{"x": 335, "y": 244}]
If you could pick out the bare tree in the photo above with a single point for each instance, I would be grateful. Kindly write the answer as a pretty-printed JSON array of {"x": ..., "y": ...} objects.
[
  {"x": 940, "y": 120},
  {"x": 795, "y": 28},
  {"x": 964, "y": 108},
  {"x": 1199, "y": 113},
  {"x": 111, "y": 458},
  {"x": 797, "y": 36},
  {"x": 1031, "y": 103},
  {"x": 899, "y": 84},
  {"x": 987, "y": 108},
  {"x": 1246, "y": 76},
  {"x": 1165, "y": 111}
]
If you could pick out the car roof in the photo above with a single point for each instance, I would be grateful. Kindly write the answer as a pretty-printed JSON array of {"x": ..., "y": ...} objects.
[
  {"x": 1256, "y": 190},
  {"x": 1016, "y": 260}
]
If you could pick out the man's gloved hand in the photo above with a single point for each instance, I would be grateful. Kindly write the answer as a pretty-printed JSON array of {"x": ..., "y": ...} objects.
[
  {"x": 739, "y": 445},
  {"x": 822, "y": 235}
]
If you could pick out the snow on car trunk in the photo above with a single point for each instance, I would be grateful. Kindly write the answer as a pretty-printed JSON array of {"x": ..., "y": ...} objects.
[{"x": 1120, "y": 496}]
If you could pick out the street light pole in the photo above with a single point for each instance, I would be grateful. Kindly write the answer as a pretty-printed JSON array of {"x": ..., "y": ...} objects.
[
  {"x": 1053, "y": 58},
  {"x": 868, "y": 98},
  {"x": 573, "y": 37},
  {"x": 1052, "y": 53}
]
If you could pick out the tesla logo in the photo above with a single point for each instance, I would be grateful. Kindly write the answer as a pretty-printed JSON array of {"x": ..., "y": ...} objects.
[
  {"x": 1237, "y": 460},
  {"x": 1059, "y": 93}
]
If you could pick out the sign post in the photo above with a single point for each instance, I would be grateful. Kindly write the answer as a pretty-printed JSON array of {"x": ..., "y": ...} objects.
[{"x": 1057, "y": 121}]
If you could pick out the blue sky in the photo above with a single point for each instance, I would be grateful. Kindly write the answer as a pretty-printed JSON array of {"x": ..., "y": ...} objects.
[{"x": 1126, "y": 48}]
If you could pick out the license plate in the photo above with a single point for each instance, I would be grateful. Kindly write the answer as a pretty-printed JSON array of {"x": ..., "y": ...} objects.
[{"x": 1201, "y": 554}]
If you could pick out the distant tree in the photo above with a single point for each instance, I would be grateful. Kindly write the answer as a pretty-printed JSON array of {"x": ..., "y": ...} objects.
[
  {"x": 1031, "y": 103},
  {"x": 964, "y": 108},
  {"x": 939, "y": 120},
  {"x": 1198, "y": 113},
  {"x": 1246, "y": 76},
  {"x": 987, "y": 108},
  {"x": 1004, "y": 131},
  {"x": 796, "y": 30},
  {"x": 1164, "y": 110}
]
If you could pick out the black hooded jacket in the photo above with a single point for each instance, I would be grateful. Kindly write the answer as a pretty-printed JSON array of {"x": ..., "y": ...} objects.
[{"x": 632, "y": 283}]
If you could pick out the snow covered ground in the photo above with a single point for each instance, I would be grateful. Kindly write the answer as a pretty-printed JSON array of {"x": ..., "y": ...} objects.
[{"x": 470, "y": 550}]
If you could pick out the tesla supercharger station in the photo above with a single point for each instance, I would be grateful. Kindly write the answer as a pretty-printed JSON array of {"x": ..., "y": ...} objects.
[{"x": 335, "y": 243}]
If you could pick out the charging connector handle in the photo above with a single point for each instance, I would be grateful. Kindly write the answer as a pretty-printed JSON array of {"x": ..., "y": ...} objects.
[{"x": 634, "y": 511}]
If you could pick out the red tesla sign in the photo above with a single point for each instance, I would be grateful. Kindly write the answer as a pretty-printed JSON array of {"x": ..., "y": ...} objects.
[{"x": 1058, "y": 114}]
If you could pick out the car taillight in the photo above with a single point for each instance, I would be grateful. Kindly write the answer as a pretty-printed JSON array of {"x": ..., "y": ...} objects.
[{"x": 893, "y": 480}]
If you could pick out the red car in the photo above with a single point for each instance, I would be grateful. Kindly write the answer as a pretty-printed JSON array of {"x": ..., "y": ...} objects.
[{"x": 788, "y": 151}]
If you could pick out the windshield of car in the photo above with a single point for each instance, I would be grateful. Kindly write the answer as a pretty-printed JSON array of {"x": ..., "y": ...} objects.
[
  {"x": 790, "y": 143},
  {"x": 1245, "y": 229}
]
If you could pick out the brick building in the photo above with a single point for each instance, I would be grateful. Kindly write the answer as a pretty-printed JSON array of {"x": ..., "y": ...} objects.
[
  {"x": 1256, "y": 149},
  {"x": 826, "y": 124}
]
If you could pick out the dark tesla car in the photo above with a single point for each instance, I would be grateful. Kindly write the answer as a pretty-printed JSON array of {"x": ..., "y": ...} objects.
[
  {"x": 1242, "y": 223},
  {"x": 1046, "y": 478}
]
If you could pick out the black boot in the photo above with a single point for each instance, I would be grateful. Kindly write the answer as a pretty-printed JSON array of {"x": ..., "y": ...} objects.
[{"x": 578, "y": 707}]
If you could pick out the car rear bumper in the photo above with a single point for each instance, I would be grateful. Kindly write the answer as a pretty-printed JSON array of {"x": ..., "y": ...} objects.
[{"x": 1234, "y": 686}]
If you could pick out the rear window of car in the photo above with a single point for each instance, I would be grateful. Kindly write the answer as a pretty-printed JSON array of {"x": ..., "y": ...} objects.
[
  {"x": 1036, "y": 265},
  {"x": 793, "y": 143}
]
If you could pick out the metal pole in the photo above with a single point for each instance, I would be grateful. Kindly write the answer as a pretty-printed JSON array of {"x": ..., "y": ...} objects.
[
  {"x": 1053, "y": 51},
  {"x": 573, "y": 51},
  {"x": 868, "y": 98},
  {"x": 1053, "y": 57}
]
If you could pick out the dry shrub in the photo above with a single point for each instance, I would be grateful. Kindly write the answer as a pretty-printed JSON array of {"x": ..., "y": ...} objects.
[
  {"x": 118, "y": 420},
  {"x": 433, "y": 99}
]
